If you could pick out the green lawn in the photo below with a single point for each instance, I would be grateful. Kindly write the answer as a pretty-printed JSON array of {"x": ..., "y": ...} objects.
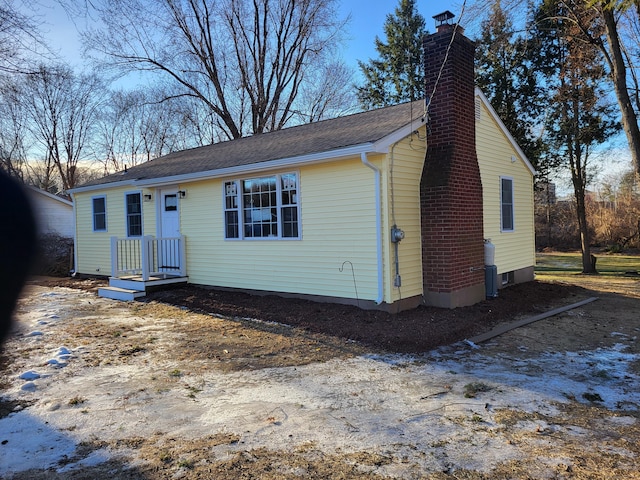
[{"x": 564, "y": 263}]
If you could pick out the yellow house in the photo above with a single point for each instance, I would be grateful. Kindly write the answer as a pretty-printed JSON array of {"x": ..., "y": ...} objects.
[
  {"x": 333, "y": 210},
  {"x": 314, "y": 220}
]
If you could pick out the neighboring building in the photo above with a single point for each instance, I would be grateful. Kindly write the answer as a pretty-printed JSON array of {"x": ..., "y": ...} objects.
[
  {"x": 354, "y": 210},
  {"x": 53, "y": 213}
]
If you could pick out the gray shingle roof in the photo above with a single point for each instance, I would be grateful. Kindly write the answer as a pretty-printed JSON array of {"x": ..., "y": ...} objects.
[{"x": 323, "y": 136}]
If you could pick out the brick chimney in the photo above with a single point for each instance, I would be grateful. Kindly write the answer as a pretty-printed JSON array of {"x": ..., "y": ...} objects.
[{"x": 450, "y": 188}]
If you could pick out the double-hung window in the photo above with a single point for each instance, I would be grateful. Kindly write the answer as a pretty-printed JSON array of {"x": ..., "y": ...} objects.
[
  {"x": 134, "y": 214},
  {"x": 99, "y": 207},
  {"x": 506, "y": 203},
  {"x": 231, "y": 213},
  {"x": 262, "y": 207}
]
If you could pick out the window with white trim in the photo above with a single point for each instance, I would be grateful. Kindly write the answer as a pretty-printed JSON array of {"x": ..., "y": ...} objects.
[
  {"x": 99, "y": 213},
  {"x": 262, "y": 207},
  {"x": 231, "y": 215},
  {"x": 506, "y": 203},
  {"x": 133, "y": 203}
]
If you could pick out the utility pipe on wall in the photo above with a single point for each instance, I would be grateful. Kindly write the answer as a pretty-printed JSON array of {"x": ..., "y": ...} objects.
[{"x": 376, "y": 170}]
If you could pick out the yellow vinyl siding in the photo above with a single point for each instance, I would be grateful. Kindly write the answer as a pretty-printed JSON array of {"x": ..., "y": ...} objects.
[
  {"x": 403, "y": 199},
  {"x": 94, "y": 248},
  {"x": 338, "y": 225},
  {"x": 497, "y": 159},
  {"x": 336, "y": 255}
]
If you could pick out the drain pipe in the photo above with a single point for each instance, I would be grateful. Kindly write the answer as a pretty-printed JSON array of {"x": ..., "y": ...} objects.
[
  {"x": 75, "y": 236},
  {"x": 365, "y": 161}
]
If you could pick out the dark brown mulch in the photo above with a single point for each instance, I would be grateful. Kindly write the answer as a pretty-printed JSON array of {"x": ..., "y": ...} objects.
[{"x": 410, "y": 331}]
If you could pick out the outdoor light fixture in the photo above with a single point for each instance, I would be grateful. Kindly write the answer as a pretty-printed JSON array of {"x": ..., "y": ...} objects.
[
  {"x": 182, "y": 193},
  {"x": 147, "y": 197}
]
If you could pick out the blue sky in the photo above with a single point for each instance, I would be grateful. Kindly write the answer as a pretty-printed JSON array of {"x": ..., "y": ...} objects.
[{"x": 367, "y": 20}]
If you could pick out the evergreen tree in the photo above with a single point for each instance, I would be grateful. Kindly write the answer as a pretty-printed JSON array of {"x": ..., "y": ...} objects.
[
  {"x": 579, "y": 113},
  {"x": 505, "y": 74},
  {"x": 397, "y": 75}
]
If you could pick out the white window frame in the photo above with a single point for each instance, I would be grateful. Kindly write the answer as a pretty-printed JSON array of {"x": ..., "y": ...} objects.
[
  {"x": 230, "y": 192},
  {"x": 511, "y": 205},
  {"x": 93, "y": 212},
  {"x": 240, "y": 210},
  {"x": 126, "y": 214}
]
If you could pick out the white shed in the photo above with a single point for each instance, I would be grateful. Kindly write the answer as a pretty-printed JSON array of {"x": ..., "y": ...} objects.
[{"x": 54, "y": 214}]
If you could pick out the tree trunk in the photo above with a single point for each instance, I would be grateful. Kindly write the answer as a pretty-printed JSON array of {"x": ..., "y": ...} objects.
[
  {"x": 588, "y": 265},
  {"x": 619, "y": 77}
]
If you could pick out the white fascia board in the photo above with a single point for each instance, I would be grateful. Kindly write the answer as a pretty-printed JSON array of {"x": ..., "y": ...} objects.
[
  {"x": 319, "y": 157},
  {"x": 504, "y": 129},
  {"x": 383, "y": 145},
  {"x": 102, "y": 186}
]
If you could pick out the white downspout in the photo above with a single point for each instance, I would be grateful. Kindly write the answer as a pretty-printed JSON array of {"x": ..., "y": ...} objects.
[
  {"x": 75, "y": 236},
  {"x": 365, "y": 161}
]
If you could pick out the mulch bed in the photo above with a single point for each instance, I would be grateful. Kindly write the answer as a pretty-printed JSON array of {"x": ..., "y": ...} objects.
[{"x": 411, "y": 331}]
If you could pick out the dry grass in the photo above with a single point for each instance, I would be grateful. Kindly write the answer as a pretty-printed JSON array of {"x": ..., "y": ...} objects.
[{"x": 578, "y": 442}]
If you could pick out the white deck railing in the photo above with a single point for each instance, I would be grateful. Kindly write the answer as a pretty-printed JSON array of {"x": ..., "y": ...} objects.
[{"x": 148, "y": 256}]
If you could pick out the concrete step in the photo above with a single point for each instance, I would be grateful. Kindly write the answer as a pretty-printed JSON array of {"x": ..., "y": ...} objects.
[{"x": 117, "y": 293}]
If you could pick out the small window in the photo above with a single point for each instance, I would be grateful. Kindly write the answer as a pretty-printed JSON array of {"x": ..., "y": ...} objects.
[
  {"x": 99, "y": 214},
  {"x": 171, "y": 203},
  {"x": 289, "y": 209},
  {"x": 134, "y": 215},
  {"x": 231, "y": 215},
  {"x": 506, "y": 202}
]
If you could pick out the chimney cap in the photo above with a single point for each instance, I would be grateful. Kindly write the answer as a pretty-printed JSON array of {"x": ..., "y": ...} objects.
[{"x": 443, "y": 18}]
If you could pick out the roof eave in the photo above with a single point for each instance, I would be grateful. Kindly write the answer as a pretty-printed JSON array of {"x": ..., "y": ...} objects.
[
  {"x": 380, "y": 146},
  {"x": 319, "y": 157},
  {"x": 101, "y": 186},
  {"x": 50, "y": 195},
  {"x": 383, "y": 145}
]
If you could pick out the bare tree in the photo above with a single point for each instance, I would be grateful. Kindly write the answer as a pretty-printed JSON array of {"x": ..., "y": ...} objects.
[
  {"x": 612, "y": 50},
  {"x": 246, "y": 61},
  {"x": 325, "y": 97},
  {"x": 12, "y": 131},
  {"x": 18, "y": 39},
  {"x": 62, "y": 109},
  {"x": 135, "y": 126},
  {"x": 116, "y": 135},
  {"x": 615, "y": 213}
]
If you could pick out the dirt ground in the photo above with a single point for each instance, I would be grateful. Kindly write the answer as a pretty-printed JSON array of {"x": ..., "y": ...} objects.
[
  {"x": 554, "y": 399},
  {"x": 412, "y": 331}
]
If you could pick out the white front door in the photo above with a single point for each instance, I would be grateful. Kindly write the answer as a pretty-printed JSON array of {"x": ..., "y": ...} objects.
[
  {"x": 169, "y": 254},
  {"x": 170, "y": 214}
]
